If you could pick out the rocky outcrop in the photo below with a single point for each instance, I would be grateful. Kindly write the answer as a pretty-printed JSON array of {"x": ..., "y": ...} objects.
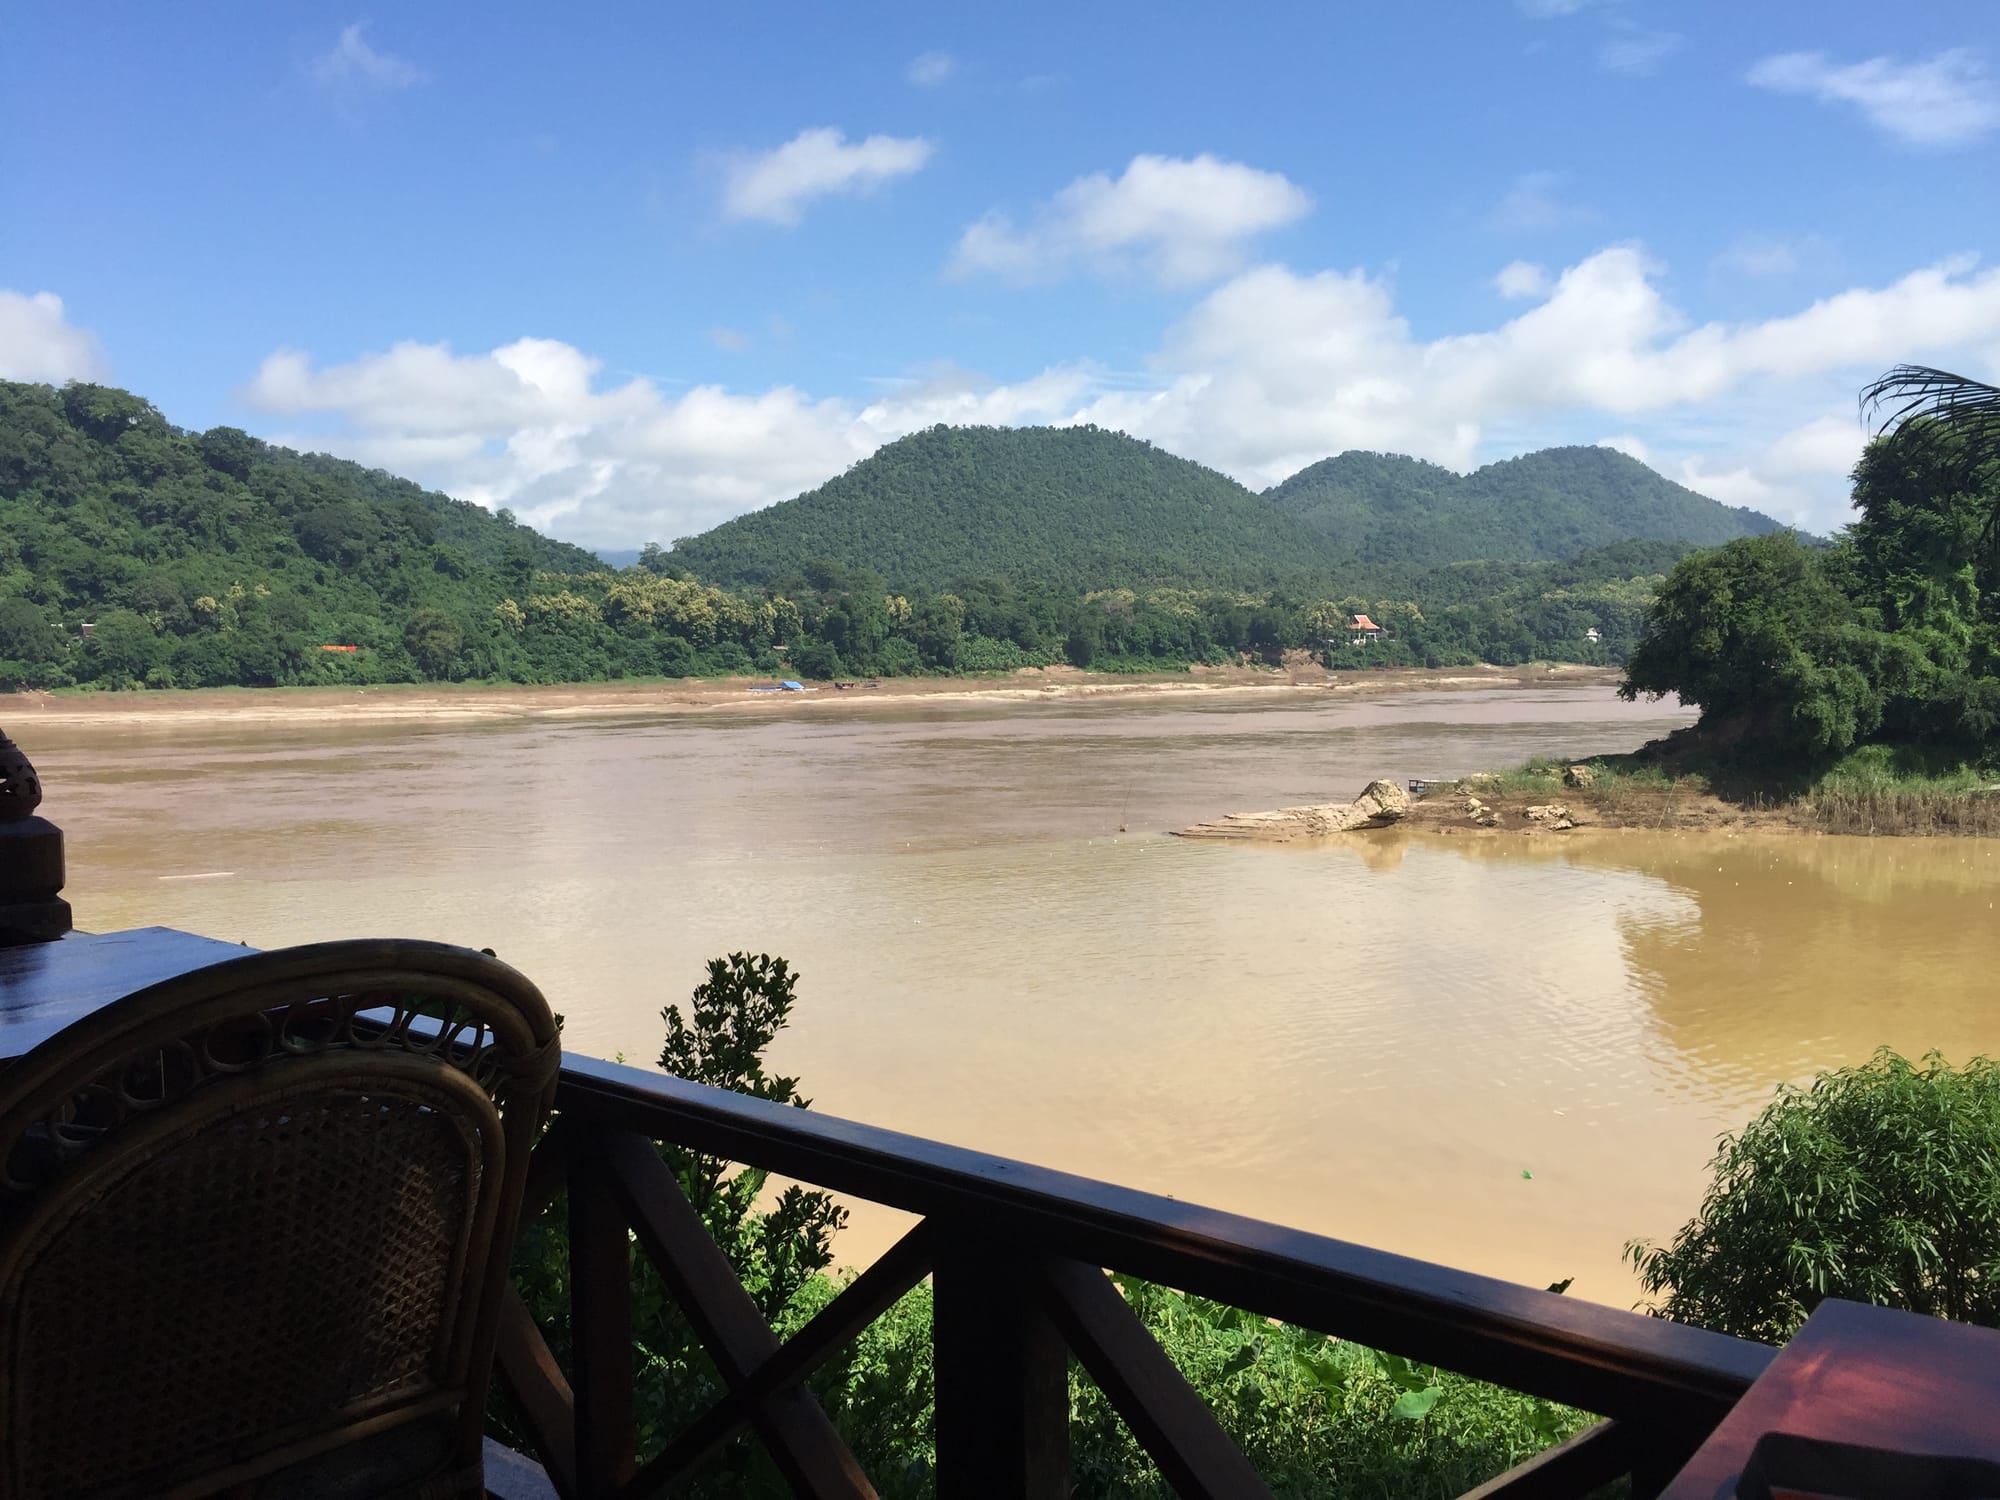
[
  {"x": 1550, "y": 815},
  {"x": 1479, "y": 812},
  {"x": 1380, "y": 804},
  {"x": 1582, "y": 778}
]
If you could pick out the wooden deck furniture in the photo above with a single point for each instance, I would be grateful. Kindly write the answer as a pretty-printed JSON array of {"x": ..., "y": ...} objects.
[
  {"x": 47, "y": 986},
  {"x": 1871, "y": 1377},
  {"x": 254, "y": 1224}
]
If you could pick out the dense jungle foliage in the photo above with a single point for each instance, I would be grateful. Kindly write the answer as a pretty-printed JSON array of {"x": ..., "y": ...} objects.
[
  {"x": 213, "y": 559},
  {"x": 1797, "y": 655},
  {"x": 1078, "y": 507}
]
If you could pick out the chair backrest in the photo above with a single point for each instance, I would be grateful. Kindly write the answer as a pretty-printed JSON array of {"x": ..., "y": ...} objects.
[{"x": 255, "y": 1223}]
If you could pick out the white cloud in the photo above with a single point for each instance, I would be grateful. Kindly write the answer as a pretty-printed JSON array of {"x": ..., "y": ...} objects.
[
  {"x": 729, "y": 340},
  {"x": 1628, "y": 445},
  {"x": 1639, "y": 52},
  {"x": 1545, "y": 10},
  {"x": 1826, "y": 447},
  {"x": 1533, "y": 205},
  {"x": 1269, "y": 371},
  {"x": 931, "y": 69},
  {"x": 1183, "y": 220},
  {"x": 1738, "y": 486},
  {"x": 1522, "y": 278},
  {"x": 1946, "y": 100},
  {"x": 529, "y": 426},
  {"x": 38, "y": 342},
  {"x": 775, "y": 185},
  {"x": 351, "y": 62},
  {"x": 1276, "y": 369}
]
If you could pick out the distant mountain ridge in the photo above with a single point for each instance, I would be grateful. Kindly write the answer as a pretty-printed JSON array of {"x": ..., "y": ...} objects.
[
  {"x": 1385, "y": 509},
  {"x": 1089, "y": 508}
]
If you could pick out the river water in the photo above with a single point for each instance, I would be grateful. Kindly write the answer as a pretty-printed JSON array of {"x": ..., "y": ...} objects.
[{"x": 1502, "y": 1053}]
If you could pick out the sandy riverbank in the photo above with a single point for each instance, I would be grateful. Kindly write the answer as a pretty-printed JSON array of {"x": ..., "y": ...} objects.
[
  {"x": 1485, "y": 809},
  {"x": 476, "y": 703},
  {"x": 1563, "y": 805},
  {"x": 1487, "y": 812}
]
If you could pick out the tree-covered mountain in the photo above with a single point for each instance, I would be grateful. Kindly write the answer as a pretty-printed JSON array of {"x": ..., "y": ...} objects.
[
  {"x": 1386, "y": 510},
  {"x": 1080, "y": 507},
  {"x": 1086, "y": 508},
  {"x": 135, "y": 554},
  {"x": 212, "y": 557}
]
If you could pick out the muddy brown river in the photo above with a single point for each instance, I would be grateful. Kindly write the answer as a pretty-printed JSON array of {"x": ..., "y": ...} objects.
[{"x": 1503, "y": 1053}]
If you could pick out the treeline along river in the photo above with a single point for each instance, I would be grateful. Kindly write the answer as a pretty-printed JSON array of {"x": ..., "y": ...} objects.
[{"x": 1505, "y": 1053}]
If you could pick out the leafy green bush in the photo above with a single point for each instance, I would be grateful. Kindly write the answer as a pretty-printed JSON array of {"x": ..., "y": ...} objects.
[{"x": 1880, "y": 1183}]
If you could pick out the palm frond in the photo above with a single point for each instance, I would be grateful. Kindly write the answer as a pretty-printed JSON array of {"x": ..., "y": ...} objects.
[
  {"x": 1958, "y": 403},
  {"x": 1913, "y": 392}
]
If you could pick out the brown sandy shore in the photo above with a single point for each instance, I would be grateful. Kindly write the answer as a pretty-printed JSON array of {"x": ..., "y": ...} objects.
[
  {"x": 470, "y": 704},
  {"x": 1476, "y": 809},
  {"x": 1544, "y": 814},
  {"x": 1482, "y": 808}
]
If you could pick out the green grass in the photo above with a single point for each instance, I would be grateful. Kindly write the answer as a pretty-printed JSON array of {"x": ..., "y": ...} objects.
[
  {"x": 1875, "y": 789},
  {"x": 1901, "y": 789},
  {"x": 1610, "y": 775}
]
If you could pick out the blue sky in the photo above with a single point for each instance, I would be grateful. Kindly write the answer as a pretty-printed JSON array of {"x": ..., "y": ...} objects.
[{"x": 632, "y": 269}]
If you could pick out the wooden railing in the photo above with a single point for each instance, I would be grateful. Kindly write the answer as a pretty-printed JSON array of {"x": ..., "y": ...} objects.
[{"x": 1017, "y": 1256}]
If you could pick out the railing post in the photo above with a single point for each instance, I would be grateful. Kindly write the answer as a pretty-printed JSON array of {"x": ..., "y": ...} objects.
[
  {"x": 1661, "y": 1456},
  {"x": 31, "y": 857},
  {"x": 1002, "y": 1376},
  {"x": 600, "y": 1291}
]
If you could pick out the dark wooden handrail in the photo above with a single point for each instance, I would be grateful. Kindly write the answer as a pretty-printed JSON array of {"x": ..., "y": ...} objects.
[{"x": 1665, "y": 1386}]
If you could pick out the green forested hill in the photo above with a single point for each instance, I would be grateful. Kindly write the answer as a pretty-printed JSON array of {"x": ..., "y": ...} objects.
[
  {"x": 1080, "y": 507},
  {"x": 1385, "y": 510},
  {"x": 134, "y": 554},
  {"x": 204, "y": 558}
]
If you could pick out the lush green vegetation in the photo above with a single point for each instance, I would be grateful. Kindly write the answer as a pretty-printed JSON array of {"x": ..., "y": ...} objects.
[
  {"x": 1076, "y": 507},
  {"x": 1090, "y": 509},
  {"x": 1798, "y": 655},
  {"x": 212, "y": 559},
  {"x": 1315, "y": 1415},
  {"x": 1387, "y": 510},
  {"x": 1880, "y": 1183}
]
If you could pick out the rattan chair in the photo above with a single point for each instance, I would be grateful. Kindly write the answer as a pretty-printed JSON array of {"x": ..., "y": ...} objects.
[{"x": 255, "y": 1224}]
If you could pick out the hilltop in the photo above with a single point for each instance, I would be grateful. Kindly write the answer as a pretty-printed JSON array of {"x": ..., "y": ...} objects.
[
  {"x": 1078, "y": 507},
  {"x": 1085, "y": 508},
  {"x": 1386, "y": 510}
]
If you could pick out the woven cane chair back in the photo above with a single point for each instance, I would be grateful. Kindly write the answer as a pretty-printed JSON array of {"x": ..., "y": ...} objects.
[{"x": 254, "y": 1227}]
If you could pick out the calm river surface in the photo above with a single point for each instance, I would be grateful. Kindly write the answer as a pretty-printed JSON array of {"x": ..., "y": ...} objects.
[{"x": 1507, "y": 1054}]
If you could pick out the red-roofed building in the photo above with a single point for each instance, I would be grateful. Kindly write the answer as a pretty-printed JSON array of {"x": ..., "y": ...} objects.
[{"x": 1364, "y": 630}]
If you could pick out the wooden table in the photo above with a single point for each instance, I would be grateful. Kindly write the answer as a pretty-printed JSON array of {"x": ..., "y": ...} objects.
[
  {"x": 1870, "y": 1376},
  {"x": 46, "y": 986}
]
